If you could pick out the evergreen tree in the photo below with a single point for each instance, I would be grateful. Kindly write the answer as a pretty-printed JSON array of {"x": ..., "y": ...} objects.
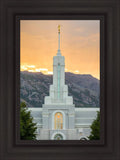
[
  {"x": 27, "y": 127},
  {"x": 95, "y": 128}
]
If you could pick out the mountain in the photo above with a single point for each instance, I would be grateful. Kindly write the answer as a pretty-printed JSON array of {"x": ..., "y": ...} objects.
[{"x": 35, "y": 86}]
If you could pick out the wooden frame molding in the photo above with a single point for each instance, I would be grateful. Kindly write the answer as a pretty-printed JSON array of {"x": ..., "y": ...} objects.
[{"x": 108, "y": 12}]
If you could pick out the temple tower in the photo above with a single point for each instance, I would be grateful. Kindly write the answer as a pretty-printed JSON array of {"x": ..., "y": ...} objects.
[
  {"x": 58, "y": 108},
  {"x": 58, "y": 90}
]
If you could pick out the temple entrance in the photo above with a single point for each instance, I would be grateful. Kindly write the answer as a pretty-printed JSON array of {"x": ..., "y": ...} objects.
[{"x": 58, "y": 137}]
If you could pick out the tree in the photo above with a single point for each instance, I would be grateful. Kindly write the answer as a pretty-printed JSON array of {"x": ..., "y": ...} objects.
[
  {"x": 95, "y": 128},
  {"x": 27, "y": 127}
]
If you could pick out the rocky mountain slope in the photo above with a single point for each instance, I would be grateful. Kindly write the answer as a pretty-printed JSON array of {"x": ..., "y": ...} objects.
[{"x": 83, "y": 88}]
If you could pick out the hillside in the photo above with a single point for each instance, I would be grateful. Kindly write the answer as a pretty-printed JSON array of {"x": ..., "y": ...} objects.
[{"x": 83, "y": 88}]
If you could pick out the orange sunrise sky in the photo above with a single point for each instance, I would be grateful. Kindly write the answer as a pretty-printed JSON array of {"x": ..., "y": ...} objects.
[{"x": 80, "y": 44}]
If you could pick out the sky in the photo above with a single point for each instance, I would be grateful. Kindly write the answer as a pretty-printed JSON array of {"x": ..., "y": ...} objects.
[{"x": 79, "y": 43}]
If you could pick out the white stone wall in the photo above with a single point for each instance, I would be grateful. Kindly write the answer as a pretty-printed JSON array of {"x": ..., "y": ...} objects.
[{"x": 76, "y": 130}]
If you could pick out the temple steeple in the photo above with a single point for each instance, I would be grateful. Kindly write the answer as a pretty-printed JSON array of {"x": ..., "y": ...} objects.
[
  {"x": 58, "y": 90},
  {"x": 59, "y": 52}
]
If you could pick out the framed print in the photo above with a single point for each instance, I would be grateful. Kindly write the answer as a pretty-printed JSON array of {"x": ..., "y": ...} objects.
[
  {"x": 63, "y": 99},
  {"x": 59, "y": 80}
]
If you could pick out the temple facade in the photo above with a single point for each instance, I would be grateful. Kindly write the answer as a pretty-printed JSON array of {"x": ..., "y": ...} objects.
[{"x": 58, "y": 119}]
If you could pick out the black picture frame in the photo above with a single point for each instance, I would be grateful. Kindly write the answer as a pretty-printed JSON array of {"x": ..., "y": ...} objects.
[{"x": 11, "y": 147}]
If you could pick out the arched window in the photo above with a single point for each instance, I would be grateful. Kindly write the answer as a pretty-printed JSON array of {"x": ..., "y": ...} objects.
[
  {"x": 58, "y": 137},
  {"x": 58, "y": 121}
]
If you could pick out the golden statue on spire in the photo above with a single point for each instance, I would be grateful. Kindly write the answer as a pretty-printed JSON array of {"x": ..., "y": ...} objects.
[{"x": 58, "y": 28}]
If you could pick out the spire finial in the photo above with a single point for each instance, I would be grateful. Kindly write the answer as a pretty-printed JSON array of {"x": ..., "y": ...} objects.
[
  {"x": 58, "y": 28},
  {"x": 59, "y": 53}
]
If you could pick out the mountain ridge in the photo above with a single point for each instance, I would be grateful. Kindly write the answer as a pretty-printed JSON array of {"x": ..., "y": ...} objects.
[{"x": 83, "y": 87}]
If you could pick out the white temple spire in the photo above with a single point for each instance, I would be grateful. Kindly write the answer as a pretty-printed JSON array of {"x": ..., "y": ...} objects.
[
  {"x": 58, "y": 93},
  {"x": 58, "y": 53}
]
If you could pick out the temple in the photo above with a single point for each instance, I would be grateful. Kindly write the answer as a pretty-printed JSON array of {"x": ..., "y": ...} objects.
[{"x": 58, "y": 119}]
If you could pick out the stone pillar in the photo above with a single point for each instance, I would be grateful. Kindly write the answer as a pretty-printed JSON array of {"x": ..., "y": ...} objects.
[{"x": 45, "y": 116}]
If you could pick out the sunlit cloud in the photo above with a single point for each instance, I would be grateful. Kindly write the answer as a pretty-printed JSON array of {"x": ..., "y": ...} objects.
[
  {"x": 43, "y": 69},
  {"x": 23, "y": 68},
  {"x": 27, "y": 67},
  {"x": 31, "y": 66},
  {"x": 49, "y": 72},
  {"x": 31, "y": 70},
  {"x": 37, "y": 70},
  {"x": 77, "y": 72}
]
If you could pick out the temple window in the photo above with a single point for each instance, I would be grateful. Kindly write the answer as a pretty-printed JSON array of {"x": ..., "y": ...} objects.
[{"x": 58, "y": 121}]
